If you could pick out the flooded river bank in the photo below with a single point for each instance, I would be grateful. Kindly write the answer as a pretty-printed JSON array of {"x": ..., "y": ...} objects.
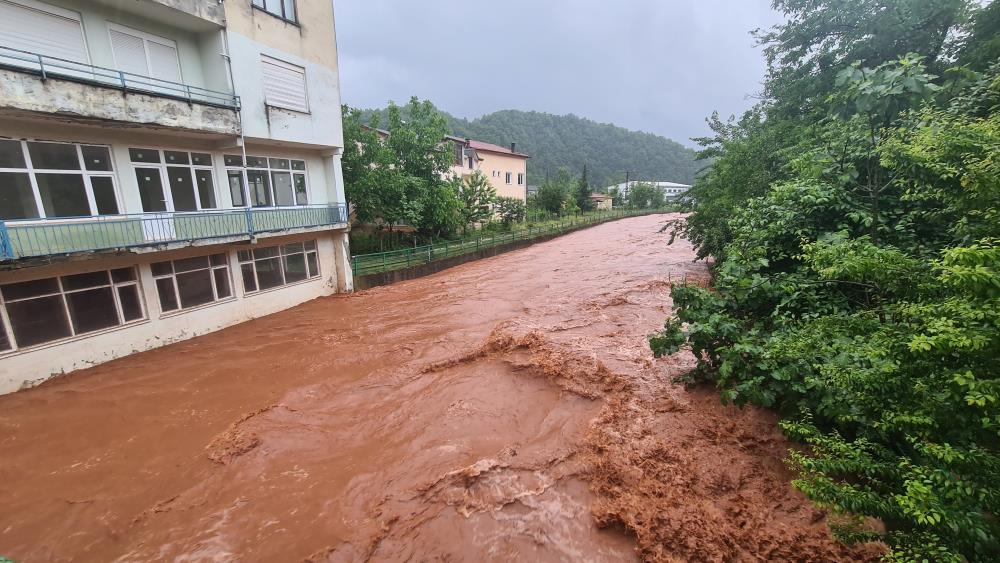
[{"x": 504, "y": 409}]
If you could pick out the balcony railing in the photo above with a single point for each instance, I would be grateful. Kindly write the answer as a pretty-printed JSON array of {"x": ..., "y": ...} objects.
[
  {"x": 46, "y": 237},
  {"x": 52, "y": 67}
]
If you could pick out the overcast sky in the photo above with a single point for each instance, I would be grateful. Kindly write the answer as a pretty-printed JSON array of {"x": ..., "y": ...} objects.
[{"x": 652, "y": 65}]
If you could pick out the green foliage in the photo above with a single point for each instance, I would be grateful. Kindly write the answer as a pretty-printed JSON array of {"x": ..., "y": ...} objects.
[
  {"x": 510, "y": 210},
  {"x": 397, "y": 180},
  {"x": 567, "y": 141},
  {"x": 583, "y": 191},
  {"x": 857, "y": 279},
  {"x": 645, "y": 195},
  {"x": 477, "y": 196},
  {"x": 554, "y": 193}
]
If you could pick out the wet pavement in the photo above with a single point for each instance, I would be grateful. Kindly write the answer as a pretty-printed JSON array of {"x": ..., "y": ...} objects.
[{"x": 505, "y": 409}]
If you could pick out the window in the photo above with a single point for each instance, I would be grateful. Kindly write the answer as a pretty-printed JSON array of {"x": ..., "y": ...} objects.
[
  {"x": 507, "y": 178},
  {"x": 192, "y": 282},
  {"x": 459, "y": 149},
  {"x": 284, "y": 85},
  {"x": 270, "y": 181},
  {"x": 274, "y": 266},
  {"x": 520, "y": 179},
  {"x": 45, "y": 179},
  {"x": 188, "y": 178},
  {"x": 50, "y": 309},
  {"x": 43, "y": 29},
  {"x": 284, "y": 9},
  {"x": 141, "y": 53}
]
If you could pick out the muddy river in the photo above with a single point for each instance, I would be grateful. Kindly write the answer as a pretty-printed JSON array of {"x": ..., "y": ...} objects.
[{"x": 506, "y": 409}]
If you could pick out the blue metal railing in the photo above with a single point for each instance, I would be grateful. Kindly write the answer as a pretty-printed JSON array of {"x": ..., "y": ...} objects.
[
  {"x": 46, "y": 67},
  {"x": 45, "y": 237}
]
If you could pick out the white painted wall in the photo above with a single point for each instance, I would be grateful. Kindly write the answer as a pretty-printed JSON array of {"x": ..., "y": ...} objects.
[{"x": 322, "y": 126}]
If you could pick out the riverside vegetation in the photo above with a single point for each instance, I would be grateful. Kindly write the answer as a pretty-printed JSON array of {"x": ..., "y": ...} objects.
[
  {"x": 401, "y": 180},
  {"x": 854, "y": 220}
]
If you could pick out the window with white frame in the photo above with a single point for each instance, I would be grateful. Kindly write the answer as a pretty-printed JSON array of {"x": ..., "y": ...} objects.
[
  {"x": 284, "y": 84},
  {"x": 138, "y": 52},
  {"x": 49, "y": 179},
  {"x": 270, "y": 181},
  {"x": 274, "y": 266},
  {"x": 174, "y": 180},
  {"x": 520, "y": 179},
  {"x": 284, "y": 9},
  {"x": 192, "y": 282},
  {"x": 507, "y": 178},
  {"x": 50, "y": 309}
]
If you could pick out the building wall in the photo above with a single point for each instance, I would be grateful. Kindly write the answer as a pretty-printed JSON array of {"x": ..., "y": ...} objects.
[
  {"x": 197, "y": 59},
  {"x": 311, "y": 45},
  {"x": 36, "y": 364},
  {"x": 496, "y": 162}
]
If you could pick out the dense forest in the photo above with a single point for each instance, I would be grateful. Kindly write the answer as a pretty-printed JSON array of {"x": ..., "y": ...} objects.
[
  {"x": 567, "y": 141},
  {"x": 853, "y": 217}
]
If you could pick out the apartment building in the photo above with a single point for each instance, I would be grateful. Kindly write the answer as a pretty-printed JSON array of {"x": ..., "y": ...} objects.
[
  {"x": 167, "y": 168},
  {"x": 506, "y": 168}
]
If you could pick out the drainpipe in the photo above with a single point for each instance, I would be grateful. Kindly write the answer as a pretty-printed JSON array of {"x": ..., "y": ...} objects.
[{"x": 242, "y": 138}]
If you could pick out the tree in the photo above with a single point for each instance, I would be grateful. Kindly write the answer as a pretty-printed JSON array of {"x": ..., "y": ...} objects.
[
  {"x": 476, "y": 196},
  {"x": 645, "y": 195},
  {"x": 416, "y": 140},
  {"x": 553, "y": 193},
  {"x": 510, "y": 210},
  {"x": 583, "y": 192}
]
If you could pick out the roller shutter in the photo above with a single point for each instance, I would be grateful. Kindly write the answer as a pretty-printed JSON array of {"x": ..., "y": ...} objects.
[
  {"x": 284, "y": 85},
  {"x": 47, "y": 30}
]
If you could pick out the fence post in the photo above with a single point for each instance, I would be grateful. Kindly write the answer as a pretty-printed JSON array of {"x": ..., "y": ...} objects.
[
  {"x": 6, "y": 249},
  {"x": 249, "y": 217}
]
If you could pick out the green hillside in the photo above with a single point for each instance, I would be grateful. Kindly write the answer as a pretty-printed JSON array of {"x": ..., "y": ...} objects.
[{"x": 568, "y": 141}]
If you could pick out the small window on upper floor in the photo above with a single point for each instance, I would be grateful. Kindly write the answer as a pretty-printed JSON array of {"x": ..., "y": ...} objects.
[
  {"x": 284, "y": 85},
  {"x": 284, "y": 9}
]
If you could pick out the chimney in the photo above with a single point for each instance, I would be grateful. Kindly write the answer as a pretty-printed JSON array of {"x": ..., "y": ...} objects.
[{"x": 513, "y": 146}]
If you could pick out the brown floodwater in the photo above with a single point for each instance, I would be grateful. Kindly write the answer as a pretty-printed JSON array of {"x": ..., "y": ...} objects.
[{"x": 504, "y": 409}]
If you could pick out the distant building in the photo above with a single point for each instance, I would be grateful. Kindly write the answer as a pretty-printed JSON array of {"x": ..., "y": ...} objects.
[
  {"x": 506, "y": 168},
  {"x": 601, "y": 201},
  {"x": 670, "y": 189},
  {"x": 170, "y": 168},
  {"x": 532, "y": 190}
]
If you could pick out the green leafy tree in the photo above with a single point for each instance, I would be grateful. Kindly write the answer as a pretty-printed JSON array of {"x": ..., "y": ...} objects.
[
  {"x": 554, "y": 193},
  {"x": 853, "y": 218},
  {"x": 583, "y": 191},
  {"x": 476, "y": 196},
  {"x": 645, "y": 195},
  {"x": 510, "y": 210}
]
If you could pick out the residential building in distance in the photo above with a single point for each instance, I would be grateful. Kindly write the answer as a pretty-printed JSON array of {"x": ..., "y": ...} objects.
[
  {"x": 672, "y": 190},
  {"x": 601, "y": 201},
  {"x": 506, "y": 168},
  {"x": 167, "y": 168}
]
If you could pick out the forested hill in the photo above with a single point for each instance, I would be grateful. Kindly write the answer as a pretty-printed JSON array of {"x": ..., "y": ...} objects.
[
  {"x": 568, "y": 141},
  {"x": 556, "y": 141}
]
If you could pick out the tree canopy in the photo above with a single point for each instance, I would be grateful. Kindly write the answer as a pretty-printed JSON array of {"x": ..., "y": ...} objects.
[{"x": 854, "y": 218}]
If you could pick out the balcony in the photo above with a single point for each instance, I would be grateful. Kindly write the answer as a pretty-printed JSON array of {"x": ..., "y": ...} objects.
[
  {"x": 159, "y": 231},
  {"x": 31, "y": 83}
]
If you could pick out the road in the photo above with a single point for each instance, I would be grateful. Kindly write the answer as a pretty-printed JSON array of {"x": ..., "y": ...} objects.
[{"x": 504, "y": 409}]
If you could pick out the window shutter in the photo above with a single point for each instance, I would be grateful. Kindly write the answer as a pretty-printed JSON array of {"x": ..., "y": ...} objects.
[
  {"x": 44, "y": 32},
  {"x": 163, "y": 62},
  {"x": 130, "y": 55},
  {"x": 284, "y": 85}
]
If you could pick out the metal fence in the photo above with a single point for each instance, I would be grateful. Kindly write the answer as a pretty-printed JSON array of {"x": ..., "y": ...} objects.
[
  {"x": 45, "y": 237},
  {"x": 377, "y": 262},
  {"x": 45, "y": 66}
]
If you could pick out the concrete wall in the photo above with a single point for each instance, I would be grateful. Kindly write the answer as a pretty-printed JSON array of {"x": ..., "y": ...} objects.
[
  {"x": 60, "y": 100},
  {"x": 503, "y": 163},
  {"x": 39, "y": 363}
]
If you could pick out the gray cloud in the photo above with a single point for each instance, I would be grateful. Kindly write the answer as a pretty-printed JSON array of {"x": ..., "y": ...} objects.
[{"x": 652, "y": 65}]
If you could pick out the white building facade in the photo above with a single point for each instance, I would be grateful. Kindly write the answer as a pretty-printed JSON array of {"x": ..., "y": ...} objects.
[{"x": 167, "y": 168}]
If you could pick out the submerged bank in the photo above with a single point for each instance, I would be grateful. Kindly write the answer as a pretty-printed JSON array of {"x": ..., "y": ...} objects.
[{"x": 505, "y": 408}]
